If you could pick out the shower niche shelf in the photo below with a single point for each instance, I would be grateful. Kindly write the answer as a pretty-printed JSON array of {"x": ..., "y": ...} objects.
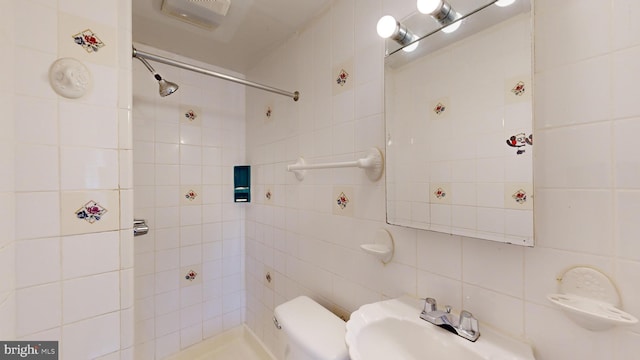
[{"x": 590, "y": 299}]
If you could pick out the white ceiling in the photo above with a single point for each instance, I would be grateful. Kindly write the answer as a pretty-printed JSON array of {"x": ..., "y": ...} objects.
[{"x": 249, "y": 31}]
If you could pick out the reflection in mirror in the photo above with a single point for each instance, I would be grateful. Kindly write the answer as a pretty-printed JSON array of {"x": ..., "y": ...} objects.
[{"x": 458, "y": 112}]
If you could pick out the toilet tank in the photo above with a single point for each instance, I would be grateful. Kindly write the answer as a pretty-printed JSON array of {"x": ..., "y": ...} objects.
[{"x": 308, "y": 331}]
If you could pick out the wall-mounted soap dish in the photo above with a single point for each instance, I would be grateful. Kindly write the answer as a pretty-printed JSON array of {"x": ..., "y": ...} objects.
[
  {"x": 590, "y": 299},
  {"x": 382, "y": 247}
]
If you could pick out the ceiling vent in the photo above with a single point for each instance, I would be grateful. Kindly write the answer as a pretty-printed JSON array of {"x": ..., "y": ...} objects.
[{"x": 207, "y": 14}]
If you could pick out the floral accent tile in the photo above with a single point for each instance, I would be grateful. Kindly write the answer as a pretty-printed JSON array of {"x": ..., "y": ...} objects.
[
  {"x": 89, "y": 41},
  {"x": 343, "y": 201},
  {"x": 518, "y": 89},
  {"x": 519, "y": 141},
  {"x": 191, "y": 195},
  {"x": 191, "y": 275},
  {"x": 86, "y": 212},
  {"x": 520, "y": 196},
  {"x": 91, "y": 212},
  {"x": 439, "y": 108},
  {"x": 268, "y": 195},
  {"x": 342, "y": 77},
  {"x": 86, "y": 39},
  {"x": 190, "y": 114},
  {"x": 440, "y": 193}
]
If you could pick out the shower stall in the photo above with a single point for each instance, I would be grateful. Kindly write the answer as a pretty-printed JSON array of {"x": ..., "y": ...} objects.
[{"x": 189, "y": 268}]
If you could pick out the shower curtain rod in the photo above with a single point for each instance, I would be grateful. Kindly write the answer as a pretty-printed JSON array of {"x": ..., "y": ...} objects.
[{"x": 145, "y": 55}]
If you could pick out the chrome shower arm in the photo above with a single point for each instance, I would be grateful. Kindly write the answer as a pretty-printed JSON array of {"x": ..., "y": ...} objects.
[{"x": 141, "y": 54}]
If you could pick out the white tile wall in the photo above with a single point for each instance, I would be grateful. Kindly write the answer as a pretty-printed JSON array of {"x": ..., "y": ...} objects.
[
  {"x": 53, "y": 144},
  {"x": 171, "y": 157},
  {"x": 586, "y": 175}
]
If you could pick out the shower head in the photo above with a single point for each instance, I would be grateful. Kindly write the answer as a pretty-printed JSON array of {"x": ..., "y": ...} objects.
[{"x": 166, "y": 87}]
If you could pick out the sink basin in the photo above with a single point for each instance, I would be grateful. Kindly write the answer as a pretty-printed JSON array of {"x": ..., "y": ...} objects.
[{"x": 392, "y": 329}]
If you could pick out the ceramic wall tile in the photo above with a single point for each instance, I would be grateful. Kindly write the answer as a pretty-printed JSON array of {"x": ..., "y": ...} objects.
[
  {"x": 36, "y": 124},
  {"x": 90, "y": 296},
  {"x": 99, "y": 130},
  {"x": 505, "y": 275},
  {"x": 42, "y": 203},
  {"x": 190, "y": 135},
  {"x": 589, "y": 166},
  {"x": 90, "y": 254},
  {"x": 627, "y": 204},
  {"x": 29, "y": 82},
  {"x": 191, "y": 275},
  {"x": 88, "y": 212},
  {"x": 88, "y": 168},
  {"x": 92, "y": 338},
  {"x": 37, "y": 24},
  {"x": 87, "y": 40},
  {"x": 37, "y": 261},
  {"x": 623, "y": 79},
  {"x": 563, "y": 45},
  {"x": 36, "y": 160},
  {"x": 486, "y": 305},
  {"x": 191, "y": 115},
  {"x": 575, "y": 106},
  {"x": 38, "y": 308},
  {"x": 592, "y": 209}
]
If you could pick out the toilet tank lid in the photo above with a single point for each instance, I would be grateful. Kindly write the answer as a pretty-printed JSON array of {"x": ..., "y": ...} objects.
[{"x": 314, "y": 328}]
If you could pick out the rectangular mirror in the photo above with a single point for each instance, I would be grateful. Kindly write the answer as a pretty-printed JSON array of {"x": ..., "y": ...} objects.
[{"x": 458, "y": 113}]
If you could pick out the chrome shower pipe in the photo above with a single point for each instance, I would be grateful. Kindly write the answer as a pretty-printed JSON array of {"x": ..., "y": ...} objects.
[{"x": 142, "y": 54}]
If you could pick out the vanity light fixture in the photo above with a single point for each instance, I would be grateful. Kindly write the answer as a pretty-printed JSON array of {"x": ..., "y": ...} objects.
[
  {"x": 503, "y": 3},
  {"x": 390, "y": 28},
  {"x": 442, "y": 12}
]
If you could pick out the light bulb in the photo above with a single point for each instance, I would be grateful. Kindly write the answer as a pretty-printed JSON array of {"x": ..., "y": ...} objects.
[
  {"x": 451, "y": 28},
  {"x": 503, "y": 3},
  {"x": 428, "y": 6},
  {"x": 412, "y": 47},
  {"x": 386, "y": 26}
]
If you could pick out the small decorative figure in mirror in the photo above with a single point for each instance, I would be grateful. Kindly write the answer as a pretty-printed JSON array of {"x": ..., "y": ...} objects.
[{"x": 519, "y": 141}]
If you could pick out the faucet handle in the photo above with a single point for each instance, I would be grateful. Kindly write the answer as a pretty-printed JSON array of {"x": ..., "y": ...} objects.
[
  {"x": 429, "y": 305},
  {"x": 468, "y": 323}
]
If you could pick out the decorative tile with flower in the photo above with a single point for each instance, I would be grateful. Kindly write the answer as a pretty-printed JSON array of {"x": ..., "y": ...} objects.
[
  {"x": 342, "y": 77},
  {"x": 191, "y": 195},
  {"x": 342, "y": 200},
  {"x": 91, "y": 212},
  {"x": 191, "y": 275},
  {"x": 89, "y": 41}
]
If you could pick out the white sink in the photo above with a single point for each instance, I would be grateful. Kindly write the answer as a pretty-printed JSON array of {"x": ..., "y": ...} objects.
[{"x": 392, "y": 329}]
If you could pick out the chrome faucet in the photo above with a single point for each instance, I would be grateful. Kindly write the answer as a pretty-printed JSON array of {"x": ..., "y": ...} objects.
[{"x": 464, "y": 325}]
